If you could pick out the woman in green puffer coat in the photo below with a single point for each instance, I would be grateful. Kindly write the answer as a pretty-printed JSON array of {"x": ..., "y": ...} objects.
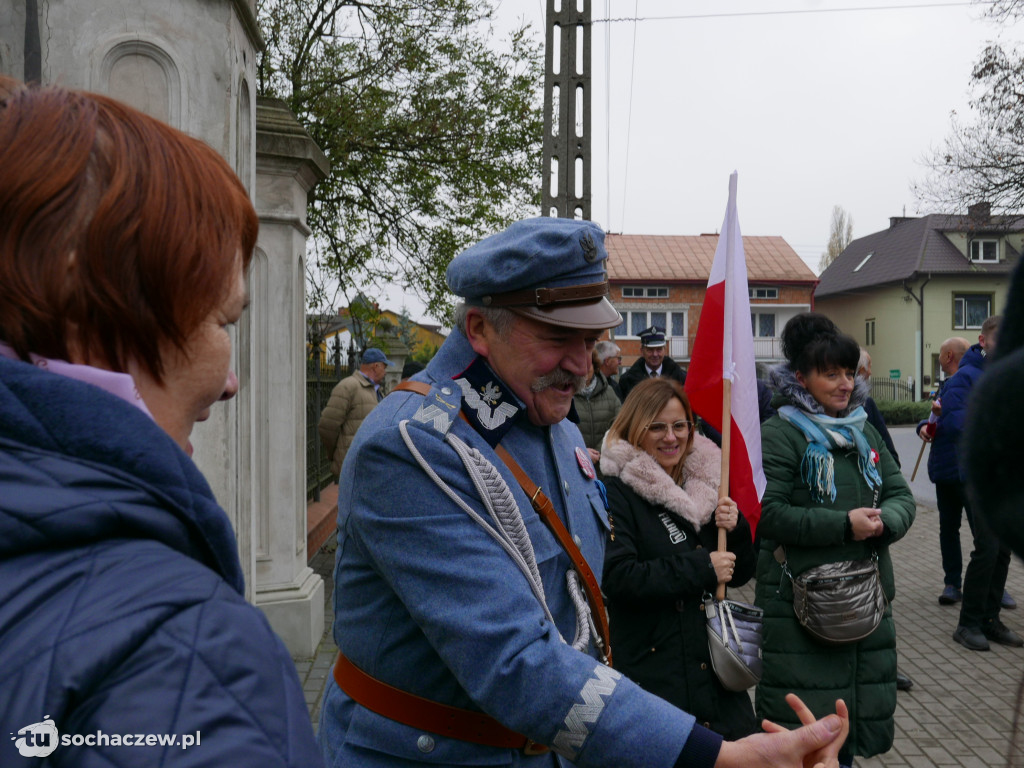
[{"x": 834, "y": 493}]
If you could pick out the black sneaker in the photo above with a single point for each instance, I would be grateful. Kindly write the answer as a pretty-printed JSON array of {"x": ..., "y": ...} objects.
[
  {"x": 970, "y": 638},
  {"x": 950, "y": 595},
  {"x": 998, "y": 632}
]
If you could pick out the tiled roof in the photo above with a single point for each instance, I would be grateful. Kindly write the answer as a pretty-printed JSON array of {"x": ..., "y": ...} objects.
[
  {"x": 908, "y": 247},
  {"x": 689, "y": 258}
]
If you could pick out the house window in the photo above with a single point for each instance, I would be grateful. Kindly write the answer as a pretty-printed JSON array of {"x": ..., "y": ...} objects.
[
  {"x": 869, "y": 332},
  {"x": 640, "y": 292},
  {"x": 970, "y": 311},
  {"x": 674, "y": 323},
  {"x": 763, "y": 293},
  {"x": 762, "y": 324},
  {"x": 985, "y": 250}
]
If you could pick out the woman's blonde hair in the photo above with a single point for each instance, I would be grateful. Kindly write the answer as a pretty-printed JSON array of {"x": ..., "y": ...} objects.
[{"x": 642, "y": 406}]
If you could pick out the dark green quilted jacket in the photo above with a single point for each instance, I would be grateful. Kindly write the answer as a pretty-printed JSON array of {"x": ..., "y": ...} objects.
[{"x": 863, "y": 674}]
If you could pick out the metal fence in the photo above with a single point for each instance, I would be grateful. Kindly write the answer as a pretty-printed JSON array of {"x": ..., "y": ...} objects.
[
  {"x": 320, "y": 380},
  {"x": 891, "y": 389}
]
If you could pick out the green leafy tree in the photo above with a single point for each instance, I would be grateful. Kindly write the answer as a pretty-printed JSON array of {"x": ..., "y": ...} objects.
[
  {"x": 839, "y": 236},
  {"x": 983, "y": 157},
  {"x": 433, "y": 129}
]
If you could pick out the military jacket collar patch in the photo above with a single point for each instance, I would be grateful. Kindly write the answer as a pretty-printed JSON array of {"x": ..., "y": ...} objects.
[{"x": 490, "y": 406}]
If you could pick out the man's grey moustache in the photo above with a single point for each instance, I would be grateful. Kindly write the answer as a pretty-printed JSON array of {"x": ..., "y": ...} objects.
[{"x": 558, "y": 378}]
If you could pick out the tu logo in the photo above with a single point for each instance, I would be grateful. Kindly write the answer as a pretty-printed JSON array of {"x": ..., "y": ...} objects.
[{"x": 38, "y": 739}]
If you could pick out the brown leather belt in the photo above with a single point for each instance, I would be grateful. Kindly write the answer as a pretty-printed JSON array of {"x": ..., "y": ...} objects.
[{"x": 426, "y": 715}]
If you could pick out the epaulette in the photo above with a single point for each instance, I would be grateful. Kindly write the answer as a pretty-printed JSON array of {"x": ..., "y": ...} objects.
[{"x": 440, "y": 406}]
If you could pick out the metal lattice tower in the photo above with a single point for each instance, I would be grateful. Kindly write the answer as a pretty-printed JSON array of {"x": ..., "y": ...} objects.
[{"x": 565, "y": 172}]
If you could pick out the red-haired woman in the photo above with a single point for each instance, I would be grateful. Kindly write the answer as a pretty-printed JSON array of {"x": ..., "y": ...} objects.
[{"x": 123, "y": 249}]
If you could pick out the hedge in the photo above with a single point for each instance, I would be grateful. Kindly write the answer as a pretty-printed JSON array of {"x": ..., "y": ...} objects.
[{"x": 903, "y": 411}]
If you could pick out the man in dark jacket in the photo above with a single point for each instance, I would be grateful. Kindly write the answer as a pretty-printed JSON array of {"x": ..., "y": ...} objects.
[
  {"x": 985, "y": 579},
  {"x": 652, "y": 362},
  {"x": 943, "y": 467}
]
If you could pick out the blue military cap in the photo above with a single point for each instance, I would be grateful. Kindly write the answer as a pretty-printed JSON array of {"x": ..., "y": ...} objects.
[
  {"x": 652, "y": 337},
  {"x": 546, "y": 268},
  {"x": 374, "y": 355}
]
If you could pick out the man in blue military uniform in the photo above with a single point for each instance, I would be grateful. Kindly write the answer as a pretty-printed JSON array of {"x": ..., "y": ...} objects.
[{"x": 467, "y": 635}]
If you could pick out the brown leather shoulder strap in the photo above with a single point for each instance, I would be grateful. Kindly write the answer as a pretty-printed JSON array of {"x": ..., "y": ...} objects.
[
  {"x": 419, "y": 387},
  {"x": 543, "y": 506}
]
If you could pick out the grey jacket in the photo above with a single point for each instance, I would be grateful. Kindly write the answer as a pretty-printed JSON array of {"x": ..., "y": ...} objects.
[{"x": 597, "y": 410}]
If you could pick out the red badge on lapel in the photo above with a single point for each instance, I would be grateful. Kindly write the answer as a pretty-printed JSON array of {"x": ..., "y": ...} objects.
[{"x": 583, "y": 459}]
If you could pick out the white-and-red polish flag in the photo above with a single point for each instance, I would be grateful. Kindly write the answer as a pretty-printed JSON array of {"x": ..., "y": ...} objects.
[{"x": 724, "y": 349}]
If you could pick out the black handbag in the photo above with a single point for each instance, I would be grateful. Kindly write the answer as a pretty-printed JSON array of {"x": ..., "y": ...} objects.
[
  {"x": 839, "y": 603},
  {"x": 734, "y": 639}
]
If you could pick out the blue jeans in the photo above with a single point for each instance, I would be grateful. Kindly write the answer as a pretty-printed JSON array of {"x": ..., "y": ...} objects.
[{"x": 951, "y": 498}]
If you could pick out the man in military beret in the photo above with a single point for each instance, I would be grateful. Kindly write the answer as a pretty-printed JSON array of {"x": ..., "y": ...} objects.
[
  {"x": 470, "y": 525},
  {"x": 652, "y": 361}
]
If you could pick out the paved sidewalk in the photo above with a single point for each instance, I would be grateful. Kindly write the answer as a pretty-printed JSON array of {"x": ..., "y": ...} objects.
[{"x": 960, "y": 710}]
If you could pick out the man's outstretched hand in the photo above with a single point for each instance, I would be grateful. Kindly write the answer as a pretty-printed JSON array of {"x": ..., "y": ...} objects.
[{"x": 815, "y": 745}]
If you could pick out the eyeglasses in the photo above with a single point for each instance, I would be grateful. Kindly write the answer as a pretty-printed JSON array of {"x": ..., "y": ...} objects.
[{"x": 660, "y": 428}]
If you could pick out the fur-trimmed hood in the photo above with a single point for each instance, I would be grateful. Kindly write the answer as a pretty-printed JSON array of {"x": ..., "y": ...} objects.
[
  {"x": 783, "y": 381},
  {"x": 694, "y": 501}
]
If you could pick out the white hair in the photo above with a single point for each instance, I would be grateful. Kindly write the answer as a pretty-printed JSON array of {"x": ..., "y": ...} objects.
[{"x": 605, "y": 349}]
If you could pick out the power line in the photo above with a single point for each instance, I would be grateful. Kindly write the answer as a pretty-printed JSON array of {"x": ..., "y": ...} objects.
[
  {"x": 793, "y": 12},
  {"x": 629, "y": 123}
]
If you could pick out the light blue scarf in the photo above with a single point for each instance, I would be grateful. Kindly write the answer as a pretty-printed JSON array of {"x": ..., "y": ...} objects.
[{"x": 823, "y": 434}]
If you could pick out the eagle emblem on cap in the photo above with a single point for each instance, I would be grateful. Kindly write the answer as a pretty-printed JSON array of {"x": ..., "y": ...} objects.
[{"x": 589, "y": 248}]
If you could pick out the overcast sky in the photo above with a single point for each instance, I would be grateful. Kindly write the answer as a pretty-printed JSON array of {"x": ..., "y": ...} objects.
[{"x": 813, "y": 109}]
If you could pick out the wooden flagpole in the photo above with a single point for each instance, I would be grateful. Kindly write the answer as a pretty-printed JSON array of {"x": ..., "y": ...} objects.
[
  {"x": 723, "y": 488},
  {"x": 918, "y": 463}
]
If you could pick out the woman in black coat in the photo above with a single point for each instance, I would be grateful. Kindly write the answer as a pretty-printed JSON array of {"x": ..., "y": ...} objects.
[{"x": 662, "y": 481}]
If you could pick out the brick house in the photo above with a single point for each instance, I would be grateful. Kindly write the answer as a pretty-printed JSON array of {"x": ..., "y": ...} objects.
[{"x": 661, "y": 280}]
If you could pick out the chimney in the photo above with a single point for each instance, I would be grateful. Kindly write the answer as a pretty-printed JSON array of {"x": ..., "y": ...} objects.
[{"x": 980, "y": 213}]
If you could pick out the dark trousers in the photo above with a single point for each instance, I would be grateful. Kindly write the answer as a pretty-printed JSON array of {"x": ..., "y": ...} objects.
[
  {"x": 985, "y": 579},
  {"x": 951, "y": 499}
]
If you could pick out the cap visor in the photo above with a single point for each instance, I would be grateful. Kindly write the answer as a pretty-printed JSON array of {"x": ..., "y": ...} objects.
[{"x": 595, "y": 315}]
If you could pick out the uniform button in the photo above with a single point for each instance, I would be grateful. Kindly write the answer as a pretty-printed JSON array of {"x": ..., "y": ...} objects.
[
  {"x": 707, "y": 724},
  {"x": 444, "y": 391},
  {"x": 578, "y": 541},
  {"x": 702, "y": 606},
  {"x": 565, "y": 484},
  {"x": 702, "y": 666},
  {"x": 425, "y": 744}
]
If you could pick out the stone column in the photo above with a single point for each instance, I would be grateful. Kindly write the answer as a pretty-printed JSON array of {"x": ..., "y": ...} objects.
[{"x": 288, "y": 164}]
